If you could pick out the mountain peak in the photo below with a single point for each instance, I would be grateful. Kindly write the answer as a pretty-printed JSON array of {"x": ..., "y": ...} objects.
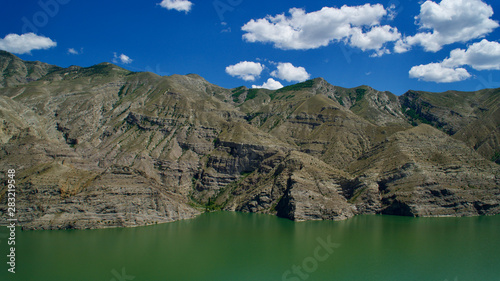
[
  {"x": 17, "y": 71},
  {"x": 195, "y": 76}
]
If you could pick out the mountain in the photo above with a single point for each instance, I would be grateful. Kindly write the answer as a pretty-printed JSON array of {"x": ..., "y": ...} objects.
[
  {"x": 102, "y": 146},
  {"x": 472, "y": 117},
  {"x": 16, "y": 71}
]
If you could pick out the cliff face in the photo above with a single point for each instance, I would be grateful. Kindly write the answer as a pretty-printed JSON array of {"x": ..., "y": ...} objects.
[{"x": 102, "y": 146}]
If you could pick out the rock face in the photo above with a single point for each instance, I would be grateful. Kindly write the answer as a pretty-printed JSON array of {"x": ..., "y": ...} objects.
[
  {"x": 105, "y": 147},
  {"x": 424, "y": 172}
]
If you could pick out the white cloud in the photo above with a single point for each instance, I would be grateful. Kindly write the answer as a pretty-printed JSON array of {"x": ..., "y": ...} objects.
[
  {"x": 401, "y": 46},
  {"x": 436, "y": 72},
  {"x": 375, "y": 38},
  {"x": 484, "y": 55},
  {"x": 25, "y": 43},
  {"x": 245, "y": 70},
  {"x": 302, "y": 31},
  {"x": 121, "y": 58},
  {"x": 449, "y": 22},
  {"x": 391, "y": 12},
  {"x": 286, "y": 71},
  {"x": 178, "y": 5},
  {"x": 125, "y": 59},
  {"x": 271, "y": 84},
  {"x": 72, "y": 51}
]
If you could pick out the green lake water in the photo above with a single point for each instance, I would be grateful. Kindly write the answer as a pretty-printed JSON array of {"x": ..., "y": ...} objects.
[{"x": 239, "y": 246}]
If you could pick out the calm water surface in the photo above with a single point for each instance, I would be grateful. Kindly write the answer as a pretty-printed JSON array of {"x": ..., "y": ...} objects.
[{"x": 236, "y": 246}]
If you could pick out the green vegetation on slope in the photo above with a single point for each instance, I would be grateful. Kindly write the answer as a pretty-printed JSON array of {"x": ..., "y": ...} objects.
[
  {"x": 297, "y": 87},
  {"x": 252, "y": 93}
]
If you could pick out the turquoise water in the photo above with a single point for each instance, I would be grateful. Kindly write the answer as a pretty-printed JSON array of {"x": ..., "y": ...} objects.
[{"x": 238, "y": 246}]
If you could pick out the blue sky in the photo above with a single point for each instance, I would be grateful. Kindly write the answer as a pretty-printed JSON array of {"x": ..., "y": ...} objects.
[{"x": 392, "y": 45}]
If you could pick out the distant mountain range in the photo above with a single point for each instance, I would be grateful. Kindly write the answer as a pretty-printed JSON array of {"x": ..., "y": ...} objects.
[{"x": 102, "y": 146}]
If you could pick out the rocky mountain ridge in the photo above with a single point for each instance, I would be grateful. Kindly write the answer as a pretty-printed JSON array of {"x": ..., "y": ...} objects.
[{"x": 102, "y": 146}]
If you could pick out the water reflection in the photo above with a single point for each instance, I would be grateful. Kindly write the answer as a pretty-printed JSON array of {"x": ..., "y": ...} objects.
[{"x": 238, "y": 246}]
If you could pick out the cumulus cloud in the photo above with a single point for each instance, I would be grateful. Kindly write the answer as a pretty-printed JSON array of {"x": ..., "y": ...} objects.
[
  {"x": 178, "y": 5},
  {"x": 375, "y": 38},
  {"x": 121, "y": 58},
  {"x": 484, "y": 55},
  {"x": 286, "y": 71},
  {"x": 449, "y": 22},
  {"x": 271, "y": 84},
  {"x": 402, "y": 46},
  {"x": 246, "y": 70},
  {"x": 25, "y": 43},
  {"x": 436, "y": 72},
  {"x": 358, "y": 26}
]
